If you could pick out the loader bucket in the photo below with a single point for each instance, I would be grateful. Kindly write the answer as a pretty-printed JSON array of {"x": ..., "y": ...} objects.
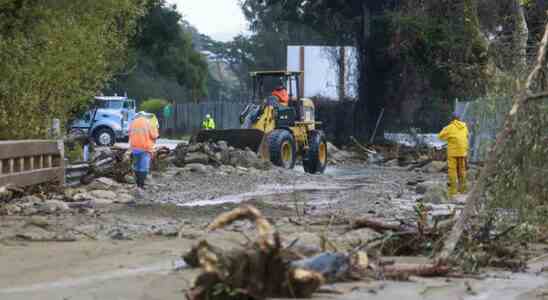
[{"x": 237, "y": 138}]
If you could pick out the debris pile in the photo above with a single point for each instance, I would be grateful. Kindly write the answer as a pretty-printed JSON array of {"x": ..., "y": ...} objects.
[
  {"x": 101, "y": 191},
  {"x": 218, "y": 154},
  {"x": 113, "y": 163},
  {"x": 415, "y": 156},
  {"x": 264, "y": 268},
  {"x": 338, "y": 156}
]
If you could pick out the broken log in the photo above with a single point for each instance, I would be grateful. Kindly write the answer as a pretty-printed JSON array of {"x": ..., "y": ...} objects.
[
  {"x": 421, "y": 270},
  {"x": 364, "y": 149},
  {"x": 420, "y": 164},
  {"x": 378, "y": 226}
]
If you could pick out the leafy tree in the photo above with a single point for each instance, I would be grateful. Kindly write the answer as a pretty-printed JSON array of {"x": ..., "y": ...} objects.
[
  {"x": 163, "y": 53},
  {"x": 390, "y": 37},
  {"x": 239, "y": 55},
  {"x": 154, "y": 106},
  {"x": 55, "y": 55}
]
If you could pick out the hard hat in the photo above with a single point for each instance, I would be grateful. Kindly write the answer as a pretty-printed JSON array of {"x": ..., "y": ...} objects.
[{"x": 208, "y": 116}]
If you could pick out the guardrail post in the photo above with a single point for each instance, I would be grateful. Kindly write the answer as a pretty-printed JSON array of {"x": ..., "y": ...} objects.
[{"x": 61, "y": 147}]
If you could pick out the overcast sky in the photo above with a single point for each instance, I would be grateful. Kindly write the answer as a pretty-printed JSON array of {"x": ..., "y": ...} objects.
[{"x": 220, "y": 19}]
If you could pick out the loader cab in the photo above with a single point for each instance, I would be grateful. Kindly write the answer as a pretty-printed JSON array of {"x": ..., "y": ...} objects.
[{"x": 298, "y": 110}]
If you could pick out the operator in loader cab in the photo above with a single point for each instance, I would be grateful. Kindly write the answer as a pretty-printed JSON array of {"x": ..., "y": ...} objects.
[{"x": 280, "y": 92}]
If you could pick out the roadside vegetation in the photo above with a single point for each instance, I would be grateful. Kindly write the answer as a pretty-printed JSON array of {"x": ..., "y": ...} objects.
[
  {"x": 55, "y": 55},
  {"x": 154, "y": 106}
]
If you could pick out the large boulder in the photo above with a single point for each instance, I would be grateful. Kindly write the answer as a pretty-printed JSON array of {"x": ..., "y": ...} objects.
[
  {"x": 101, "y": 201},
  {"x": 353, "y": 238},
  {"x": 54, "y": 206},
  {"x": 103, "y": 194},
  {"x": 336, "y": 155},
  {"x": 196, "y": 158},
  {"x": 423, "y": 187},
  {"x": 124, "y": 198},
  {"x": 197, "y": 168},
  {"x": 103, "y": 183},
  {"x": 305, "y": 243},
  {"x": 248, "y": 159},
  {"x": 5, "y": 194},
  {"x": 217, "y": 154},
  {"x": 435, "y": 194},
  {"x": 223, "y": 146},
  {"x": 435, "y": 167}
]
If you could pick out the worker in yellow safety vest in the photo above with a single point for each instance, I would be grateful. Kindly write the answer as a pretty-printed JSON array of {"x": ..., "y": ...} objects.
[
  {"x": 456, "y": 136},
  {"x": 208, "y": 123}
]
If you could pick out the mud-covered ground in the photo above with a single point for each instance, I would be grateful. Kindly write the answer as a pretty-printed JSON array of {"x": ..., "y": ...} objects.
[{"x": 127, "y": 251}]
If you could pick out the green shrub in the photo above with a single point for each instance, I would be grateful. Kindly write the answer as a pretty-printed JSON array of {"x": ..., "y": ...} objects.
[
  {"x": 55, "y": 55},
  {"x": 74, "y": 152},
  {"x": 154, "y": 106}
]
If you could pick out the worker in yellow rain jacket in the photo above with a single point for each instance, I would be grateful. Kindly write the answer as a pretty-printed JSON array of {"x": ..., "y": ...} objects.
[{"x": 456, "y": 136}]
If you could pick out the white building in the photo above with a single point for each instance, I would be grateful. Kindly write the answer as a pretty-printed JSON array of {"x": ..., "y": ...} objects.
[{"x": 321, "y": 70}]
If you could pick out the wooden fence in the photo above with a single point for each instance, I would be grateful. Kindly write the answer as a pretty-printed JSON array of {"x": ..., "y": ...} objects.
[
  {"x": 30, "y": 162},
  {"x": 188, "y": 117}
]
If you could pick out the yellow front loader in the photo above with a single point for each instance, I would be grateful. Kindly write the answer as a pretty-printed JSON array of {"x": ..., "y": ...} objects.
[{"x": 279, "y": 133}]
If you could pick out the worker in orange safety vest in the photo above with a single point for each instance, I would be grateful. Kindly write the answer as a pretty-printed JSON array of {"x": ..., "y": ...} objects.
[{"x": 142, "y": 138}]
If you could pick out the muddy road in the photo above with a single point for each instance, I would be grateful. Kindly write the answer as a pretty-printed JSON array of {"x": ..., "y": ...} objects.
[{"x": 130, "y": 251}]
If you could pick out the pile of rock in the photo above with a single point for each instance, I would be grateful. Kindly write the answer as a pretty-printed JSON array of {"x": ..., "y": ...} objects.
[
  {"x": 101, "y": 191},
  {"x": 218, "y": 154},
  {"x": 338, "y": 156}
]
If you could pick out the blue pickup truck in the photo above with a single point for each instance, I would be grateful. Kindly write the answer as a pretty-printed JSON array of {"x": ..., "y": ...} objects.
[{"x": 107, "y": 121}]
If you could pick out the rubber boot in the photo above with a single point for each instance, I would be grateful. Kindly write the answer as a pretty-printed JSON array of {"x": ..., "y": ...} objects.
[{"x": 140, "y": 178}]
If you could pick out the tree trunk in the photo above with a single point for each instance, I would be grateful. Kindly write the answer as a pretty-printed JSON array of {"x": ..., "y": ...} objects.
[
  {"x": 370, "y": 84},
  {"x": 476, "y": 196},
  {"x": 521, "y": 37}
]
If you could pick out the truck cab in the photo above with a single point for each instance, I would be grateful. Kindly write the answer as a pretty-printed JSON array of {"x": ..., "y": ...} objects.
[{"x": 107, "y": 121}]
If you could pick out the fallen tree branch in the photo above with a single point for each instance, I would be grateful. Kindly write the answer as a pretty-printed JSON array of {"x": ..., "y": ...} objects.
[
  {"x": 479, "y": 188},
  {"x": 374, "y": 224},
  {"x": 362, "y": 147},
  {"x": 537, "y": 96},
  {"x": 257, "y": 271},
  {"x": 420, "y": 164},
  {"x": 422, "y": 270}
]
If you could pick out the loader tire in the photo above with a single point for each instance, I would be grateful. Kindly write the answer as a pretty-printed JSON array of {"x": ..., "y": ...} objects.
[
  {"x": 315, "y": 159},
  {"x": 282, "y": 149}
]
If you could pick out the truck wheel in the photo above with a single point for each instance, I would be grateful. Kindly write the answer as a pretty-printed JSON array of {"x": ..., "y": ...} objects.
[
  {"x": 104, "y": 137},
  {"x": 315, "y": 159},
  {"x": 282, "y": 149}
]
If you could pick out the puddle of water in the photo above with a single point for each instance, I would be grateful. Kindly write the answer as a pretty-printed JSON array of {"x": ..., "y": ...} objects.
[
  {"x": 309, "y": 193},
  {"x": 312, "y": 197}
]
